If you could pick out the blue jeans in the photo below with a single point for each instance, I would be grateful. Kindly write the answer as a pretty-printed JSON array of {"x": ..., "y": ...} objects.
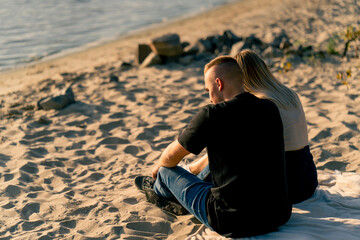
[{"x": 188, "y": 189}]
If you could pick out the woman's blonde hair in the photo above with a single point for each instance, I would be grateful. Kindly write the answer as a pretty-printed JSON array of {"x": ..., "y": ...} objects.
[{"x": 259, "y": 81}]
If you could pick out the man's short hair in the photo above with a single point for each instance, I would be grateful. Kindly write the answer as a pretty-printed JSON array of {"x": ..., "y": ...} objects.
[
  {"x": 223, "y": 60},
  {"x": 229, "y": 68}
]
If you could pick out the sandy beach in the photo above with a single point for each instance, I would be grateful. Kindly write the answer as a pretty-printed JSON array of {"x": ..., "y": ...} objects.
[{"x": 68, "y": 174}]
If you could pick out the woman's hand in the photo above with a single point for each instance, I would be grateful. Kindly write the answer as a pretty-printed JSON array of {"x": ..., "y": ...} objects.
[{"x": 197, "y": 166}]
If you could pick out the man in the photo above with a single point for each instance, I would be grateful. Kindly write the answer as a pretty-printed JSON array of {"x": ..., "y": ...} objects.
[{"x": 243, "y": 136}]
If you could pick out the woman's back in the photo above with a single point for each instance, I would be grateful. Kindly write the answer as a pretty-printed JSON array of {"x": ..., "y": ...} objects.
[
  {"x": 295, "y": 128},
  {"x": 301, "y": 170},
  {"x": 259, "y": 81}
]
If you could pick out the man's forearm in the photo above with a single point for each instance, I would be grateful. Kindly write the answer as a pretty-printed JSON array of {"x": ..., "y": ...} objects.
[{"x": 170, "y": 157}]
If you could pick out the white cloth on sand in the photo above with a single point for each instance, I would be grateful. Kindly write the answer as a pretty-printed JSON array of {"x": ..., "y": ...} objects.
[{"x": 333, "y": 213}]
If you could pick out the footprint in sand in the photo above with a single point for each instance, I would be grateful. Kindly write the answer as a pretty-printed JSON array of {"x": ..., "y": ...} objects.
[
  {"x": 325, "y": 155},
  {"x": 29, "y": 209},
  {"x": 76, "y": 145},
  {"x": 147, "y": 134},
  {"x": 32, "y": 195},
  {"x": 96, "y": 176},
  {"x": 119, "y": 115},
  {"x": 25, "y": 178},
  {"x": 133, "y": 150},
  {"x": 28, "y": 226},
  {"x": 112, "y": 125},
  {"x": 8, "y": 177},
  {"x": 322, "y": 135},
  {"x": 113, "y": 141},
  {"x": 334, "y": 165},
  {"x": 61, "y": 174},
  {"x": 347, "y": 136},
  {"x": 9, "y": 205},
  {"x": 130, "y": 201},
  {"x": 13, "y": 191},
  {"x": 80, "y": 124},
  {"x": 30, "y": 168},
  {"x": 117, "y": 230},
  {"x": 73, "y": 134},
  {"x": 52, "y": 163},
  {"x": 37, "y": 135},
  {"x": 85, "y": 160},
  {"x": 39, "y": 152},
  {"x": 91, "y": 177},
  {"x": 147, "y": 229},
  {"x": 68, "y": 224},
  {"x": 113, "y": 209},
  {"x": 45, "y": 139},
  {"x": 83, "y": 211},
  {"x": 3, "y": 159}
]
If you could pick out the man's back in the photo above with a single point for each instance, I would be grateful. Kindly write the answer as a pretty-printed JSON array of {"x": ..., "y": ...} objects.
[{"x": 244, "y": 140}]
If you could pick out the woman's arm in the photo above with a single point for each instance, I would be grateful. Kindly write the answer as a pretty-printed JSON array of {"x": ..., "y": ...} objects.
[{"x": 197, "y": 166}]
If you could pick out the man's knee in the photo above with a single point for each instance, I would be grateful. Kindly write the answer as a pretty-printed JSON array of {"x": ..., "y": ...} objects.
[
  {"x": 165, "y": 172},
  {"x": 161, "y": 170},
  {"x": 166, "y": 169}
]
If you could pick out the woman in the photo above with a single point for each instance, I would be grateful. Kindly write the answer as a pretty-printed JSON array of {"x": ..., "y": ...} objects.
[{"x": 301, "y": 170}]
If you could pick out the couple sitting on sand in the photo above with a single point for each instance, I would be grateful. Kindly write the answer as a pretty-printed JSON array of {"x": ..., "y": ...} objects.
[{"x": 258, "y": 156}]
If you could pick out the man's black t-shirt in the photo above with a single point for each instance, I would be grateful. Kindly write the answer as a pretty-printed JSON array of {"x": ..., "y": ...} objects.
[{"x": 245, "y": 146}]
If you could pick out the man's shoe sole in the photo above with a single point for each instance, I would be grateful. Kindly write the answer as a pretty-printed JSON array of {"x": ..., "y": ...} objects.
[{"x": 166, "y": 205}]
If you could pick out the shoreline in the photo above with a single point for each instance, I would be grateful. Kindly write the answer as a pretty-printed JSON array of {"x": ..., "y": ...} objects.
[
  {"x": 111, "y": 52},
  {"x": 141, "y": 35},
  {"x": 104, "y": 41}
]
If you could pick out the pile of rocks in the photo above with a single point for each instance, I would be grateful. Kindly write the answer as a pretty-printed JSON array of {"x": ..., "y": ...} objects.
[{"x": 169, "y": 48}]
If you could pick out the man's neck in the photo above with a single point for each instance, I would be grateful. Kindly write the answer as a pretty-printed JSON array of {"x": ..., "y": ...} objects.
[{"x": 234, "y": 93}]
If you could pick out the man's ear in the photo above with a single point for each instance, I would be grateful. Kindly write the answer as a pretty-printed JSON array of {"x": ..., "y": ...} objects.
[{"x": 219, "y": 84}]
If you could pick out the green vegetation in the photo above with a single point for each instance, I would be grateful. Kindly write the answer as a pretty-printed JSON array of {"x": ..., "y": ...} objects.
[
  {"x": 332, "y": 44},
  {"x": 351, "y": 35}
]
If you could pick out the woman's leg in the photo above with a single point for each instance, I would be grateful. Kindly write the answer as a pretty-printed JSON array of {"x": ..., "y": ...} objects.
[
  {"x": 197, "y": 166},
  {"x": 205, "y": 174},
  {"x": 301, "y": 174},
  {"x": 188, "y": 189}
]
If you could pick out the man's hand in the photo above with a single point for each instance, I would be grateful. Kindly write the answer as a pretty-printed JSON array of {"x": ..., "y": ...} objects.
[
  {"x": 155, "y": 171},
  {"x": 171, "y": 156}
]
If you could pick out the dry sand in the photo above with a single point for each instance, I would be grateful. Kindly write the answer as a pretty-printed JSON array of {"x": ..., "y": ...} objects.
[{"x": 70, "y": 175}]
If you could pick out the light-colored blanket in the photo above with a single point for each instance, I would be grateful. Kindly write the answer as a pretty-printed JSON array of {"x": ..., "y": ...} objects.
[{"x": 333, "y": 213}]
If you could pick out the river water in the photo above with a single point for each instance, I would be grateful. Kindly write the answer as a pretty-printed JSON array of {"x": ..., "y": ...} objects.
[{"x": 33, "y": 29}]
